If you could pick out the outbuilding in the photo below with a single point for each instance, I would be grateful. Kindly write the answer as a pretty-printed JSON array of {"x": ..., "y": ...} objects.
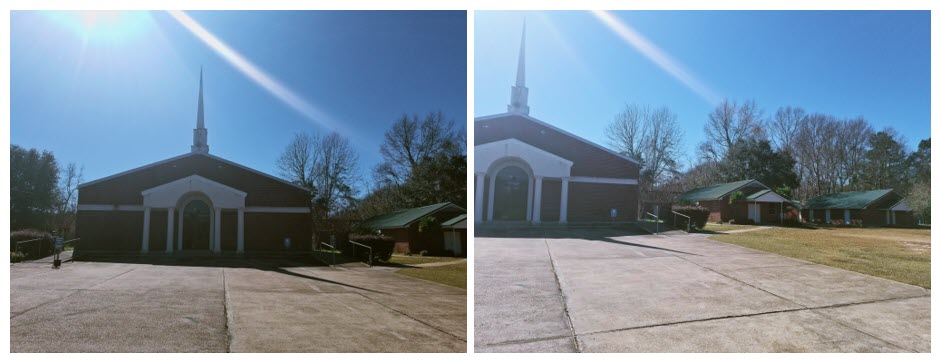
[
  {"x": 746, "y": 201},
  {"x": 417, "y": 229},
  {"x": 860, "y": 208}
]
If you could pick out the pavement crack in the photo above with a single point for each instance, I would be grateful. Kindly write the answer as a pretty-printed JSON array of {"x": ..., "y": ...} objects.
[
  {"x": 229, "y": 315},
  {"x": 565, "y": 307},
  {"x": 413, "y": 318}
]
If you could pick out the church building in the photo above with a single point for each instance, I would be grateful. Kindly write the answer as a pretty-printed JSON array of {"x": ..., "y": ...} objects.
[
  {"x": 527, "y": 170},
  {"x": 193, "y": 203}
]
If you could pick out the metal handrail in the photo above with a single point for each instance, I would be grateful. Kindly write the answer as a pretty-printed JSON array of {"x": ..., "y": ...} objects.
[
  {"x": 657, "y": 229},
  {"x": 689, "y": 220},
  {"x": 333, "y": 252},
  {"x": 367, "y": 247}
]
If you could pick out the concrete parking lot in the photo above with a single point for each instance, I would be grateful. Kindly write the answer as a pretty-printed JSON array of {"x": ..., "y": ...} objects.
[
  {"x": 230, "y": 305},
  {"x": 614, "y": 290}
]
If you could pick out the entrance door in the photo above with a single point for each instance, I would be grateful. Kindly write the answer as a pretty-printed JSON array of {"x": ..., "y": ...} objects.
[
  {"x": 511, "y": 192},
  {"x": 196, "y": 222},
  {"x": 754, "y": 212}
]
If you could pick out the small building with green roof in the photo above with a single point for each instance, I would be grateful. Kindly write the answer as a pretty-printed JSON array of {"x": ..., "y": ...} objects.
[
  {"x": 746, "y": 201},
  {"x": 860, "y": 208},
  {"x": 416, "y": 229}
]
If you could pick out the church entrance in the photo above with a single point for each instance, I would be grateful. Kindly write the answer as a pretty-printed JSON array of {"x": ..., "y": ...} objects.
[
  {"x": 196, "y": 225},
  {"x": 511, "y": 192}
]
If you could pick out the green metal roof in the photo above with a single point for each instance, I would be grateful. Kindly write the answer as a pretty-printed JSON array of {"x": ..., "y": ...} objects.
[
  {"x": 713, "y": 192},
  {"x": 403, "y": 218},
  {"x": 758, "y": 194},
  {"x": 846, "y": 200},
  {"x": 457, "y": 222}
]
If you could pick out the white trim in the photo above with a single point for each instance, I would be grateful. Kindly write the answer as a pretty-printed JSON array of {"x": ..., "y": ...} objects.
[
  {"x": 145, "y": 241},
  {"x": 107, "y": 207},
  {"x": 276, "y": 209},
  {"x": 770, "y": 197},
  {"x": 243, "y": 167},
  {"x": 576, "y": 137},
  {"x": 901, "y": 206},
  {"x": 540, "y": 162},
  {"x": 161, "y": 162},
  {"x": 601, "y": 180},
  {"x": 193, "y": 177}
]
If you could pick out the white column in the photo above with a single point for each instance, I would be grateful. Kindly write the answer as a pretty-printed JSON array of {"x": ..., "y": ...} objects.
[
  {"x": 888, "y": 218},
  {"x": 241, "y": 232},
  {"x": 169, "y": 230},
  {"x": 893, "y": 217},
  {"x": 529, "y": 199},
  {"x": 810, "y": 214},
  {"x": 145, "y": 241},
  {"x": 217, "y": 235},
  {"x": 478, "y": 198},
  {"x": 179, "y": 232},
  {"x": 564, "y": 207},
  {"x": 827, "y": 216},
  {"x": 537, "y": 200},
  {"x": 846, "y": 216},
  {"x": 493, "y": 183}
]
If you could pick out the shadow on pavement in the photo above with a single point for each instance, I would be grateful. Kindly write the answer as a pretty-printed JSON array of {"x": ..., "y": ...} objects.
[{"x": 274, "y": 263}]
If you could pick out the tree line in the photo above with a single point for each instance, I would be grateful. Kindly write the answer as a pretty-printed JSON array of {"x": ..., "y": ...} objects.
[
  {"x": 796, "y": 152},
  {"x": 43, "y": 194},
  {"x": 424, "y": 162}
]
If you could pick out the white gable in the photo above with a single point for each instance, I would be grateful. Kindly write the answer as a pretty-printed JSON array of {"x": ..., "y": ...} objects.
[
  {"x": 543, "y": 163},
  {"x": 167, "y": 195}
]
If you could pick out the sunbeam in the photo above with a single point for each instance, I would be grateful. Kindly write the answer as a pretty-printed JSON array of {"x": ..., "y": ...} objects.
[
  {"x": 253, "y": 72},
  {"x": 655, "y": 54}
]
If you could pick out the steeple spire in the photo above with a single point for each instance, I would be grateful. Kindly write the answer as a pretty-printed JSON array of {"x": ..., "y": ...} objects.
[
  {"x": 200, "y": 133},
  {"x": 519, "y": 94}
]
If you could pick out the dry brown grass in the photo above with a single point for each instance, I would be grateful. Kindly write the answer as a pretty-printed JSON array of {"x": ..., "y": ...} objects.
[{"x": 897, "y": 254}]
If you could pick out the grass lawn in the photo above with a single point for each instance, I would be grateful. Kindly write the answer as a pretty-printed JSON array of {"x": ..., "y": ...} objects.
[
  {"x": 412, "y": 260},
  {"x": 897, "y": 254},
  {"x": 454, "y": 275},
  {"x": 726, "y": 227}
]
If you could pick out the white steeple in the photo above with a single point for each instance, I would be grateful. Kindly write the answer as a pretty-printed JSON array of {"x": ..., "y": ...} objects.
[
  {"x": 200, "y": 133},
  {"x": 519, "y": 94}
]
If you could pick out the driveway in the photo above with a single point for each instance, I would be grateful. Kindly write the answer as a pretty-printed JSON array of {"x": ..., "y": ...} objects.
[
  {"x": 608, "y": 290},
  {"x": 230, "y": 305}
]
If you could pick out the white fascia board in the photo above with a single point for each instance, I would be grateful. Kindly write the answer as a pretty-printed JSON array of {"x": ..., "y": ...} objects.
[
  {"x": 275, "y": 209},
  {"x": 109, "y": 207},
  {"x": 134, "y": 170},
  {"x": 770, "y": 197},
  {"x": 553, "y": 127},
  {"x": 243, "y": 167},
  {"x": 197, "y": 178},
  {"x": 901, "y": 206},
  {"x": 601, "y": 180}
]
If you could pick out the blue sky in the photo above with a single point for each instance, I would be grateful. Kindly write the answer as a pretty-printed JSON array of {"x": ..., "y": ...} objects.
[
  {"x": 119, "y": 90},
  {"x": 580, "y": 73}
]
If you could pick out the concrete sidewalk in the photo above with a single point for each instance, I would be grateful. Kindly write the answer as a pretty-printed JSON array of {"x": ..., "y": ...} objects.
[
  {"x": 234, "y": 305},
  {"x": 647, "y": 293}
]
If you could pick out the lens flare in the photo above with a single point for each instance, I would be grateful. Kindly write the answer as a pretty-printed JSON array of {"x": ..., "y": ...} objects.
[
  {"x": 103, "y": 26},
  {"x": 656, "y": 55},
  {"x": 254, "y": 73}
]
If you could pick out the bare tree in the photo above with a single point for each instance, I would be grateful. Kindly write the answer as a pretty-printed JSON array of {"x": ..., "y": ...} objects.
[
  {"x": 653, "y": 137},
  {"x": 783, "y": 129},
  {"x": 411, "y": 140},
  {"x": 334, "y": 173},
  {"x": 728, "y": 123},
  {"x": 296, "y": 161},
  {"x": 67, "y": 202},
  {"x": 628, "y": 132}
]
